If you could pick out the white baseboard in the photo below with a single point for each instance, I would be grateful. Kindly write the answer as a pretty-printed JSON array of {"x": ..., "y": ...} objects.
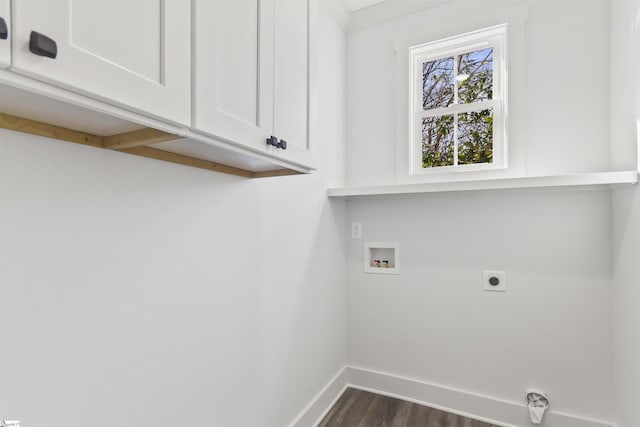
[
  {"x": 495, "y": 411},
  {"x": 323, "y": 401},
  {"x": 483, "y": 408}
]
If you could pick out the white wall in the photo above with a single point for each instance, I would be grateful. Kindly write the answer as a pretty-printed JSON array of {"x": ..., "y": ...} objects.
[
  {"x": 140, "y": 293},
  {"x": 558, "y": 85},
  {"x": 552, "y": 330},
  {"x": 626, "y": 310},
  {"x": 625, "y": 112}
]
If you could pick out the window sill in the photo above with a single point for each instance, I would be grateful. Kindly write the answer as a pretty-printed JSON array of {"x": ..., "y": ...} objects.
[{"x": 588, "y": 180}]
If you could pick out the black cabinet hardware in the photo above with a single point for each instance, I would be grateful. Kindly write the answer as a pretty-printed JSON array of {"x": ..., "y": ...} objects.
[
  {"x": 42, "y": 45},
  {"x": 272, "y": 141},
  {"x": 4, "y": 30}
]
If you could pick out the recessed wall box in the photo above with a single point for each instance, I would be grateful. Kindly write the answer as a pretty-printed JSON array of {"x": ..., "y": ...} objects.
[{"x": 382, "y": 257}]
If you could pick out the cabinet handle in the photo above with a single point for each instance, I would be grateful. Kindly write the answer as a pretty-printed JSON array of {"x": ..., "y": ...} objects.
[
  {"x": 273, "y": 141},
  {"x": 42, "y": 45},
  {"x": 278, "y": 144},
  {"x": 4, "y": 30}
]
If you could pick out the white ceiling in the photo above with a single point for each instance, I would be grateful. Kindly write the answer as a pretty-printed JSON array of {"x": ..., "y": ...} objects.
[{"x": 353, "y": 5}]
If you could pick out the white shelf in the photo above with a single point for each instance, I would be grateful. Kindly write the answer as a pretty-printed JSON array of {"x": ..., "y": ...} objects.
[{"x": 597, "y": 179}]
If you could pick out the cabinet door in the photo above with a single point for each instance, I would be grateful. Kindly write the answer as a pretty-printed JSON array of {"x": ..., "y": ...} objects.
[
  {"x": 132, "y": 53},
  {"x": 291, "y": 79},
  {"x": 5, "y": 33},
  {"x": 234, "y": 70}
]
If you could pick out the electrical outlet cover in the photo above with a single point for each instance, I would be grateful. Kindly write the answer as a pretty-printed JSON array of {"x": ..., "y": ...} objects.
[
  {"x": 356, "y": 230},
  {"x": 494, "y": 281}
]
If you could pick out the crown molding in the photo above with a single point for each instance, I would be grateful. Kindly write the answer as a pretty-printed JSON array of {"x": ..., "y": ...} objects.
[
  {"x": 339, "y": 11},
  {"x": 387, "y": 11}
]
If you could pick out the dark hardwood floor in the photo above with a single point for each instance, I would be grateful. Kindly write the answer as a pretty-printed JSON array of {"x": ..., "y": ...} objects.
[{"x": 357, "y": 408}]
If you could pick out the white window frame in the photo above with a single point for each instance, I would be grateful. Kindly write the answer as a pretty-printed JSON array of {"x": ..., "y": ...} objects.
[{"x": 495, "y": 37}]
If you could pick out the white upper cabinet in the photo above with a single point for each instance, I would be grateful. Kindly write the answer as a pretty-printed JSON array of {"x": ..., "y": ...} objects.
[
  {"x": 5, "y": 33},
  {"x": 132, "y": 53},
  {"x": 233, "y": 70},
  {"x": 291, "y": 79},
  {"x": 251, "y": 61}
]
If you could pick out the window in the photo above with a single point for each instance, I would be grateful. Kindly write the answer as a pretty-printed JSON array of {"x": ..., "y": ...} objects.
[{"x": 458, "y": 103}]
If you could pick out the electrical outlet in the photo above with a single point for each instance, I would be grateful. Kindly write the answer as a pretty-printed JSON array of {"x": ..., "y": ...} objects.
[
  {"x": 356, "y": 230},
  {"x": 494, "y": 281}
]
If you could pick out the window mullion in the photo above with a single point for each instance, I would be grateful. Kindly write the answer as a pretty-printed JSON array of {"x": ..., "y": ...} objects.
[
  {"x": 457, "y": 109},
  {"x": 455, "y": 139},
  {"x": 456, "y": 62}
]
